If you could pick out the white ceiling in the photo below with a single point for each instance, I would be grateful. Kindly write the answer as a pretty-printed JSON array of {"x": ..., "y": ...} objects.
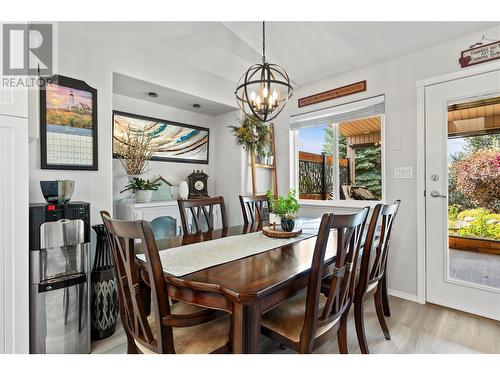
[
  {"x": 138, "y": 89},
  {"x": 309, "y": 51}
]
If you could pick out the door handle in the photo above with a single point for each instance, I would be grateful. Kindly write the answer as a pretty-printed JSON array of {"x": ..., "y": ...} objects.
[{"x": 435, "y": 194}]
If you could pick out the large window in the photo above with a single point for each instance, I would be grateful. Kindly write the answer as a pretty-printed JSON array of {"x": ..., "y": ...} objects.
[{"x": 340, "y": 157}]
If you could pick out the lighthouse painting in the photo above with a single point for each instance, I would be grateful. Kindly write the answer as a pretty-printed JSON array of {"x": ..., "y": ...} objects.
[{"x": 69, "y": 124}]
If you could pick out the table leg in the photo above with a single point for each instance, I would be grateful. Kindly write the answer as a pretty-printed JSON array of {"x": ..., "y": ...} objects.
[
  {"x": 246, "y": 328},
  {"x": 385, "y": 299}
]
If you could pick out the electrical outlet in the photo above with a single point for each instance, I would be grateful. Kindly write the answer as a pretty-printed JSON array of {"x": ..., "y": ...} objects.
[{"x": 403, "y": 172}]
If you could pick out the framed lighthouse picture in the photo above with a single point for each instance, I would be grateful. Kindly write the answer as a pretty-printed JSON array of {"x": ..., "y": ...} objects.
[{"x": 68, "y": 124}]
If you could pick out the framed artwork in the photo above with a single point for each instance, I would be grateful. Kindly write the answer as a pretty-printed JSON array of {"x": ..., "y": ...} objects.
[
  {"x": 173, "y": 141},
  {"x": 68, "y": 124}
]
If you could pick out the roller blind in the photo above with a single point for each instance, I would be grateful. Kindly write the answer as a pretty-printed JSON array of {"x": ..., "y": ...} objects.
[{"x": 347, "y": 112}]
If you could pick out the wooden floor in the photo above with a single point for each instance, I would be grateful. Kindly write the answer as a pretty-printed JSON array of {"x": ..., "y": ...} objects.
[{"x": 414, "y": 328}]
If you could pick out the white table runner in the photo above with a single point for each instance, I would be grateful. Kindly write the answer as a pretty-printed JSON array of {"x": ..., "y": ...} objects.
[{"x": 183, "y": 260}]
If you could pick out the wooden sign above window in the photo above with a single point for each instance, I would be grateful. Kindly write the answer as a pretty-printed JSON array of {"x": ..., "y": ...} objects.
[
  {"x": 338, "y": 92},
  {"x": 480, "y": 54}
]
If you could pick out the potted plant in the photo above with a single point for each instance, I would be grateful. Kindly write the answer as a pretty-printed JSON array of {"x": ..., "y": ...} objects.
[
  {"x": 285, "y": 208},
  {"x": 142, "y": 189},
  {"x": 252, "y": 135},
  {"x": 270, "y": 158}
]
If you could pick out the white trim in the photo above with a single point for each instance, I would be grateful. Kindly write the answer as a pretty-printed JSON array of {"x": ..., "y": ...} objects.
[
  {"x": 403, "y": 295},
  {"x": 467, "y": 72},
  {"x": 420, "y": 198}
]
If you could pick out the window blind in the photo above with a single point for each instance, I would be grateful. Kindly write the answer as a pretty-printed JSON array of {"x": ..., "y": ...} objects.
[{"x": 342, "y": 113}]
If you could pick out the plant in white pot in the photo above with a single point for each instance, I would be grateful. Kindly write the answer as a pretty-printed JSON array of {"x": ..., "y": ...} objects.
[{"x": 142, "y": 189}]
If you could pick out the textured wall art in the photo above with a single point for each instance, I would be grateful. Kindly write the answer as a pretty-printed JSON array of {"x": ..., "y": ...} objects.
[{"x": 172, "y": 141}]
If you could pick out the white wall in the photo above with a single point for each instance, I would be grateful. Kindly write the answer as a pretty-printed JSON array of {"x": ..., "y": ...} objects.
[{"x": 172, "y": 172}]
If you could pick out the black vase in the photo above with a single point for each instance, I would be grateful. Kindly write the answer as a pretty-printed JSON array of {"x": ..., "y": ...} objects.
[
  {"x": 104, "y": 297},
  {"x": 287, "y": 224}
]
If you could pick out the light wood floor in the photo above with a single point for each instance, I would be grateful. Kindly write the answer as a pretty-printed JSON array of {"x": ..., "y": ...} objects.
[{"x": 414, "y": 328}]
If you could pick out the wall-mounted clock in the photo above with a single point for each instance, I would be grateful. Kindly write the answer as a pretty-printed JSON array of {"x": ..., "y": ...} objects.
[{"x": 198, "y": 185}]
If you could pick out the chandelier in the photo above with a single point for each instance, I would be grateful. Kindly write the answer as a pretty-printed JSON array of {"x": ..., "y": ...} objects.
[{"x": 262, "y": 92}]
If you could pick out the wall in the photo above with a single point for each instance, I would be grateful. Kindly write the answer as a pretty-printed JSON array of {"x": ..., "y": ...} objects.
[
  {"x": 396, "y": 79},
  {"x": 172, "y": 172}
]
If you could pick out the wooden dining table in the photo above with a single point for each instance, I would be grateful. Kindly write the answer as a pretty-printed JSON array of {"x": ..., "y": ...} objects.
[{"x": 245, "y": 288}]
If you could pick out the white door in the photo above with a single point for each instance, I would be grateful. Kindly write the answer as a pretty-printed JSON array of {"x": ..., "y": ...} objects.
[{"x": 460, "y": 118}]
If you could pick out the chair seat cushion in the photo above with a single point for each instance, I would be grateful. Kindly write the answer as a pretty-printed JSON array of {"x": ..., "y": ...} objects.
[
  {"x": 200, "y": 339},
  {"x": 287, "y": 319}
]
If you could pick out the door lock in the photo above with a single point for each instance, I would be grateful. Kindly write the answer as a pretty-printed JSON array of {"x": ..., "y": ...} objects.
[{"x": 435, "y": 177}]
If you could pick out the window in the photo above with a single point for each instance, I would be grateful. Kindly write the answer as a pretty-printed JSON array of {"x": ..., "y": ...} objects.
[{"x": 339, "y": 156}]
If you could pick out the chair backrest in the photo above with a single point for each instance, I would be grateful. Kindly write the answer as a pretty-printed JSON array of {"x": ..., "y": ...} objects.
[
  {"x": 349, "y": 230},
  {"x": 202, "y": 211},
  {"x": 376, "y": 247},
  {"x": 255, "y": 208},
  {"x": 133, "y": 291}
]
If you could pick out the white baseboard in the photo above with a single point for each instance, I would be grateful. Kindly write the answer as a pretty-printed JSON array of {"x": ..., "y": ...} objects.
[{"x": 403, "y": 295}]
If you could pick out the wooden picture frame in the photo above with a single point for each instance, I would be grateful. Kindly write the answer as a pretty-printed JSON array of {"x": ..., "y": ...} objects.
[
  {"x": 201, "y": 143},
  {"x": 68, "y": 117}
]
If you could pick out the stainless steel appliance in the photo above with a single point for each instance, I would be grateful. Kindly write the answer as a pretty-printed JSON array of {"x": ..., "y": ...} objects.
[{"x": 60, "y": 278}]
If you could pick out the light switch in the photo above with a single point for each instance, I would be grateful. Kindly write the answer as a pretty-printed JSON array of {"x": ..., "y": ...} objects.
[{"x": 403, "y": 172}]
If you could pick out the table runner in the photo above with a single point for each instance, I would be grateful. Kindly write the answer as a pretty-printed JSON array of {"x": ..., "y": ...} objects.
[{"x": 183, "y": 260}]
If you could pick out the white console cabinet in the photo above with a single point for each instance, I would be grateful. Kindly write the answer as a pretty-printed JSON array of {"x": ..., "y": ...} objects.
[{"x": 164, "y": 216}]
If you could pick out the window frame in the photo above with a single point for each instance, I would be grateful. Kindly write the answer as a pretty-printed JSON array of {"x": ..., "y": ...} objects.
[{"x": 294, "y": 167}]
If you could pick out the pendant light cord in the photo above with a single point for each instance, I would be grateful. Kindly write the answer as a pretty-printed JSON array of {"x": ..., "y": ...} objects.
[{"x": 263, "y": 42}]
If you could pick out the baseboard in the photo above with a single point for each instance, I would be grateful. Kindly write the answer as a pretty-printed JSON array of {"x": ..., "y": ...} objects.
[{"x": 403, "y": 295}]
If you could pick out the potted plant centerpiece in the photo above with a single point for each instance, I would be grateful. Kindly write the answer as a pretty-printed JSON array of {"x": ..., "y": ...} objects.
[
  {"x": 285, "y": 208},
  {"x": 142, "y": 189}
]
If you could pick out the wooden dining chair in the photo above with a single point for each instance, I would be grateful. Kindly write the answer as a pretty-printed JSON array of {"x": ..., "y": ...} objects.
[
  {"x": 372, "y": 273},
  {"x": 201, "y": 212},
  {"x": 255, "y": 208},
  {"x": 302, "y": 322},
  {"x": 180, "y": 328}
]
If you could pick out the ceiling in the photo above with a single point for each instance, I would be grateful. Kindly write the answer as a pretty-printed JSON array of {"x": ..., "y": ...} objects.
[
  {"x": 474, "y": 118},
  {"x": 138, "y": 89},
  {"x": 360, "y": 127},
  {"x": 309, "y": 51}
]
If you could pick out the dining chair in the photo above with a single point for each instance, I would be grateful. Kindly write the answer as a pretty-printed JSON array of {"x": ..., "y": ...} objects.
[
  {"x": 180, "y": 328},
  {"x": 255, "y": 208},
  {"x": 372, "y": 273},
  {"x": 201, "y": 212},
  {"x": 302, "y": 322}
]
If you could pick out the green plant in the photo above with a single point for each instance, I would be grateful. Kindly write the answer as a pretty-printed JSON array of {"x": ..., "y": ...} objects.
[
  {"x": 252, "y": 135},
  {"x": 284, "y": 207},
  {"x": 140, "y": 184}
]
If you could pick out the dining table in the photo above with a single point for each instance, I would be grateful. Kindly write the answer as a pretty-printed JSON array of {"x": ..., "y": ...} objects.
[{"x": 249, "y": 286}]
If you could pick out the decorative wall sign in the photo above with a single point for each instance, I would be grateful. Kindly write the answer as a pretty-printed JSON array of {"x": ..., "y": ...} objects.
[
  {"x": 480, "y": 54},
  {"x": 68, "y": 124},
  {"x": 173, "y": 141},
  {"x": 338, "y": 92}
]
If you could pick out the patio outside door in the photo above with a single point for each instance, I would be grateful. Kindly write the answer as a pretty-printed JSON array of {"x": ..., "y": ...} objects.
[{"x": 462, "y": 194}]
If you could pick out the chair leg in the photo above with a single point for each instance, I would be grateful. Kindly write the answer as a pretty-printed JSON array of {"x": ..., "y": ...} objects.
[
  {"x": 380, "y": 313},
  {"x": 342, "y": 335},
  {"x": 359, "y": 321},
  {"x": 385, "y": 299},
  {"x": 131, "y": 348}
]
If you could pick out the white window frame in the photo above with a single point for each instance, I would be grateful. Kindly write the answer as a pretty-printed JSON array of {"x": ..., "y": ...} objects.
[{"x": 294, "y": 162}]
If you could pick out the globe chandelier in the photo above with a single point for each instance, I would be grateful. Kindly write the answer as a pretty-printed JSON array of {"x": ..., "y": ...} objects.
[{"x": 264, "y": 89}]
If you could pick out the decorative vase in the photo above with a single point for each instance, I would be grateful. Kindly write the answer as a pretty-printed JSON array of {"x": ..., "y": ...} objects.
[
  {"x": 104, "y": 293},
  {"x": 183, "y": 190},
  {"x": 143, "y": 196},
  {"x": 287, "y": 224}
]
